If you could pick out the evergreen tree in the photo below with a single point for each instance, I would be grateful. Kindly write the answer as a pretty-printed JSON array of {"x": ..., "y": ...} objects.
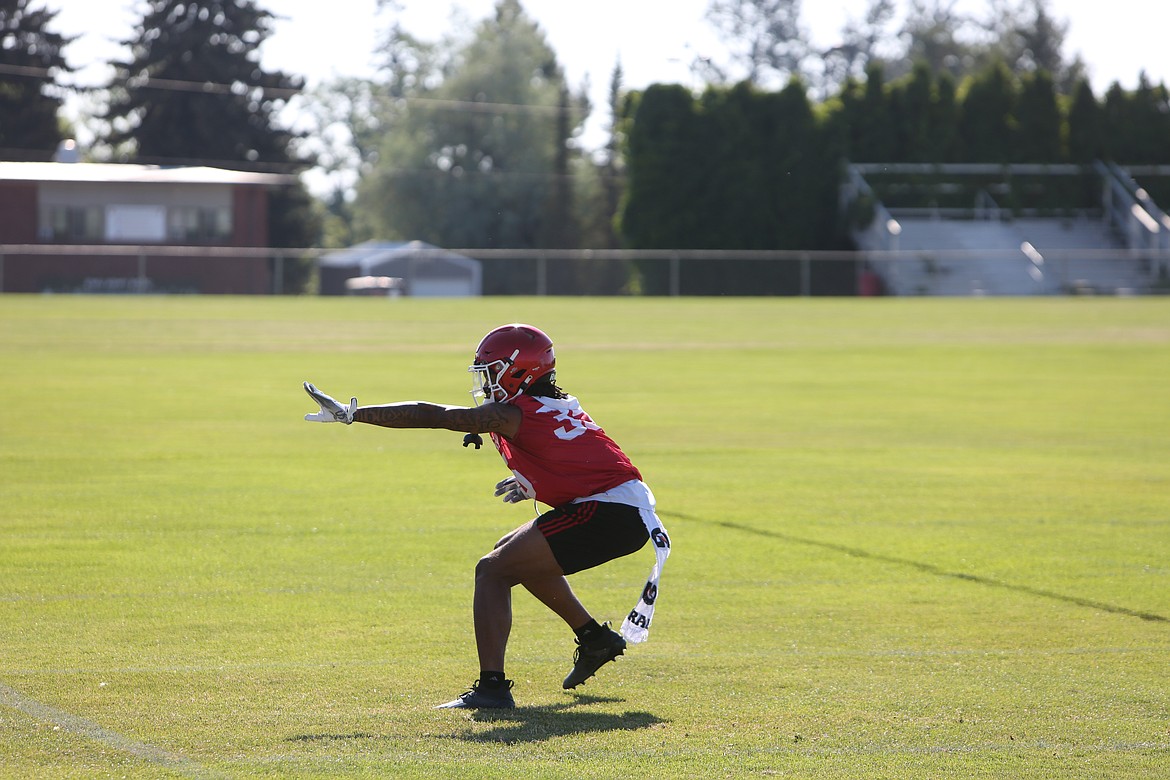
[
  {"x": 194, "y": 92},
  {"x": 944, "y": 123},
  {"x": 987, "y": 124},
  {"x": 1148, "y": 128},
  {"x": 30, "y": 58},
  {"x": 1115, "y": 120},
  {"x": 294, "y": 222},
  {"x": 741, "y": 161},
  {"x": 738, "y": 169},
  {"x": 912, "y": 100},
  {"x": 845, "y": 120},
  {"x": 1085, "y": 139},
  {"x": 875, "y": 139},
  {"x": 666, "y": 171},
  {"x": 804, "y": 187},
  {"x": 1038, "y": 121}
]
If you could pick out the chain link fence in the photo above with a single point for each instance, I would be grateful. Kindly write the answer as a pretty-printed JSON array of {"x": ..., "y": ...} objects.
[{"x": 59, "y": 268}]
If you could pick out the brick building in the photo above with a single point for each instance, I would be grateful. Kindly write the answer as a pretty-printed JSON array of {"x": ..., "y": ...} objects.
[{"x": 94, "y": 227}]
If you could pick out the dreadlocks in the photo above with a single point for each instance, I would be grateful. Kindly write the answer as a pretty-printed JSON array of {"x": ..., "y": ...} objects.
[{"x": 546, "y": 386}]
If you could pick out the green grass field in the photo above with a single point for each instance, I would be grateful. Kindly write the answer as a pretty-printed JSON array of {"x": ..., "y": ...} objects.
[{"x": 912, "y": 539}]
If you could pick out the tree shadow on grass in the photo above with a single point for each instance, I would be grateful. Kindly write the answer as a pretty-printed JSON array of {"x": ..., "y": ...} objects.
[{"x": 536, "y": 724}]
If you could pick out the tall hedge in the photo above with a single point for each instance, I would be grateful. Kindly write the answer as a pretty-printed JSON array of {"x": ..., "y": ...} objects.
[
  {"x": 740, "y": 168},
  {"x": 735, "y": 169}
]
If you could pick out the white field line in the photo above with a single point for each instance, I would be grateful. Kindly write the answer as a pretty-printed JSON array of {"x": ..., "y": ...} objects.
[{"x": 75, "y": 724}]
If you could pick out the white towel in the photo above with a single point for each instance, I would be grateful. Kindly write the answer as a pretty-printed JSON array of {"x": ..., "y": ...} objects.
[{"x": 636, "y": 627}]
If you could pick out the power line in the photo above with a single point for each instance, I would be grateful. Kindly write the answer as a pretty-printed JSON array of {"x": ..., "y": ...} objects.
[
  {"x": 237, "y": 88},
  {"x": 27, "y": 70},
  {"x": 241, "y": 88},
  {"x": 487, "y": 107}
]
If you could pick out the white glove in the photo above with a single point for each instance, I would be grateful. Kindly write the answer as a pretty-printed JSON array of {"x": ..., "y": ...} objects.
[
  {"x": 331, "y": 410},
  {"x": 511, "y": 490}
]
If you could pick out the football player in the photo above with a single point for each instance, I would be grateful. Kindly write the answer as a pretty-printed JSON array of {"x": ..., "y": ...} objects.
[{"x": 600, "y": 507}]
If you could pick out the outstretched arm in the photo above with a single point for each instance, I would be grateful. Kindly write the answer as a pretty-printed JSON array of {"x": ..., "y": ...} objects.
[{"x": 503, "y": 419}]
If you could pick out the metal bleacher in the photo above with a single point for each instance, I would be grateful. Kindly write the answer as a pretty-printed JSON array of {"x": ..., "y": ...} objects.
[{"x": 1118, "y": 245}]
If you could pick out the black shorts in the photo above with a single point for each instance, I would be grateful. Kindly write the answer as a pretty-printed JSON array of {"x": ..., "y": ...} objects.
[{"x": 590, "y": 533}]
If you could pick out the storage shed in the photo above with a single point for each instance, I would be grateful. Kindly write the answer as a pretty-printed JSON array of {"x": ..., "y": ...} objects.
[{"x": 425, "y": 270}]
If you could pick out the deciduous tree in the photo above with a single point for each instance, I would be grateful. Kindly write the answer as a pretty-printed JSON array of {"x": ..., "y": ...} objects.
[
  {"x": 480, "y": 156},
  {"x": 766, "y": 43}
]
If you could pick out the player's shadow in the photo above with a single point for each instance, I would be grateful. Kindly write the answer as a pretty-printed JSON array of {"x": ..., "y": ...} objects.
[{"x": 536, "y": 724}]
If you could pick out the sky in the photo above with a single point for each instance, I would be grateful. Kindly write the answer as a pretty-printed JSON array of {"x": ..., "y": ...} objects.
[{"x": 655, "y": 42}]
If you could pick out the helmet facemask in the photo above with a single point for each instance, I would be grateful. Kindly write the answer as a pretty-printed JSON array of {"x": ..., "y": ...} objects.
[{"x": 486, "y": 378}]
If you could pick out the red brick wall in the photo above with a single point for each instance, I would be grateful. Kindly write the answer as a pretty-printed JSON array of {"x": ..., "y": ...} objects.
[
  {"x": 250, "y": 216},
  {"x": 119, "y": 273},
  {"x": 18, "y": 212}
]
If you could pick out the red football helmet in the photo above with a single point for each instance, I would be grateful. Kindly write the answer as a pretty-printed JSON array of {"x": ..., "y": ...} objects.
[{"x": 509, "y": 360}]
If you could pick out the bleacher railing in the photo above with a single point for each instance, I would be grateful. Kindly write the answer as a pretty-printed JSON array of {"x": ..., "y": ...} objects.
[{"x": 1142, "y": 227}]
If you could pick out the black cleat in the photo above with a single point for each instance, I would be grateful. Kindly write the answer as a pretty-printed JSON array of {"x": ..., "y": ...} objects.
[
  {"x": 593, "y": 655},
  {"x": 480, "y": 698}
]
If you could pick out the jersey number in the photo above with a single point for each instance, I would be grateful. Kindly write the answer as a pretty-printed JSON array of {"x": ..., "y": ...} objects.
[{"x": 577, "y": 424}]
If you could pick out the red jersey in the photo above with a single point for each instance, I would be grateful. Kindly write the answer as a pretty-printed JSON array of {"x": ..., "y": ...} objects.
[{"x": 559, "y": 453}]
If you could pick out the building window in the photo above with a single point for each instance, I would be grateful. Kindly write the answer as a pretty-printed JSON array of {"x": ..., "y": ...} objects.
[
  {"x": 136, "y": 223},
  {"x": 76, "y": 223},
  {"x": 188, "y": 223}
]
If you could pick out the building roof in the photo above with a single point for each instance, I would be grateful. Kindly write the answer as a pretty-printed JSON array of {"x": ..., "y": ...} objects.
[
  {"x": 109, "y": 173},
  {"x": 371, "y": 255},
  {"x": 426, "y": 270}
]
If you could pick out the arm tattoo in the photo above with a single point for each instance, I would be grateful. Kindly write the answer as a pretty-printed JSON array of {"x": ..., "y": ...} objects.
[
  {"x": 420, "y": 414},
  {"x": 404, "y": 415},
  {"x": 488, "y": 418}
]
